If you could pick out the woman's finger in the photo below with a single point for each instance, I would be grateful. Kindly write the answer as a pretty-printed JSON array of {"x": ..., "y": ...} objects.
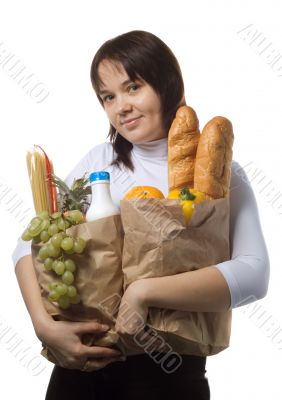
[
  {"x": 97, "y": 351},
  {"x": 90, "y": 327},
  {"x": 51, "y": 355},
  {"x": 57, "y": 358}
]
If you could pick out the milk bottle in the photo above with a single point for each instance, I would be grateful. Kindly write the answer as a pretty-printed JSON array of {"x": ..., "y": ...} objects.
[{"x": 102, "y": 204}]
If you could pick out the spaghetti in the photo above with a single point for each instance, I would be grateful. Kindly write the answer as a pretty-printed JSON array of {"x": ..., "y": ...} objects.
[{"x": 40, "y": 170}]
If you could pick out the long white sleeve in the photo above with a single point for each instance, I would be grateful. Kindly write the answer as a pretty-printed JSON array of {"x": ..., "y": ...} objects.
[{"x": 247, "y": 273}]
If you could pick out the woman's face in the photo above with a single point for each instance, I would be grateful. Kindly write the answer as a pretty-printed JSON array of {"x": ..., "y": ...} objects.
[{"x": 133, "y": 107}]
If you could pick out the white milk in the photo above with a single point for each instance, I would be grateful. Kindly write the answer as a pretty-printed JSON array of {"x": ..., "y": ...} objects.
[{"x": 101, "y": 205}]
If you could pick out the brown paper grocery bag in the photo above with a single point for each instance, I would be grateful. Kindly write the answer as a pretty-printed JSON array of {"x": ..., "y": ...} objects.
[
  {"x": 98, "y": 278},
  {"x": 157, "y": 243}
]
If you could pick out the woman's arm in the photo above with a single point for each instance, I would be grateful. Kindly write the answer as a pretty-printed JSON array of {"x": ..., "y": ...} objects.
[
  {"x": 31, "y": 294},
  {"x": 201, "y": 290},
  {"x": 227, "y": 285},
  {"x": 62, "y": 338},
  {"x": 247, "y": 274}
]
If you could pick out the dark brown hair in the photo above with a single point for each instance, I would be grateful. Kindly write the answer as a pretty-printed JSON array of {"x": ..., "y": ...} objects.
[{"x": 144, "y": 55}]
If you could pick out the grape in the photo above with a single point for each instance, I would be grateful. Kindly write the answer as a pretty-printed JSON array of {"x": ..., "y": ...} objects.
[
  {"x": 43, "y": 215},
  {"x": 76, "y": 216},
  {"x": 61, "y": 224},
  {"x": 64, "y": 301},
  {"x": 75, "y": 299},
  {"x": 53, "y": 251},
  {"x": 56, "y": 215},
  {"x": 70, "y": 265},
  {"x": 68, "y": 278},
  {"x": 67, "y": 243},
  {"x": 56, "y": 240},
  {"x": 62, "y": 289},
  {"x": 35, "y": 227},
  {"x": 34, "y": 230},
  {"x": 59, "y": 268},
  {"x": 55, "y": 262},
  {"x": 79, "y": 245},
  {"x": 53, "y": 295},
  {"x": 48, "y": 262},
  {"x": 69, "y": 251},
  {"x": 53, "y": 285},
  {"x": 45, "y": 224},
  {"x": 43, "y": 252},
  {"x": 53, "y": 229},
  {"x": 26, "y": 236},
  {"x": 44, "y": 236},
  {"x": 67, "y": 224},
  {"x": 72, "y": 291},
  {"x": 35, "y": 221}
]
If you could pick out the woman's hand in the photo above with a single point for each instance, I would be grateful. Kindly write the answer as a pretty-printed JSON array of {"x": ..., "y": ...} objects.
[
  {"x": 133, "y": 312},
  {"x": 64, "y": 341}
]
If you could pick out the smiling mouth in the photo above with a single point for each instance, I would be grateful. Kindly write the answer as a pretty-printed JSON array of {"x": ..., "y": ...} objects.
[{"x": 131, "y": 122}]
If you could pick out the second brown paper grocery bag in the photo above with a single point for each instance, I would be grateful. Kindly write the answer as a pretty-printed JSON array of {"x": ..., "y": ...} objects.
[{"x": 157, "y": 243}]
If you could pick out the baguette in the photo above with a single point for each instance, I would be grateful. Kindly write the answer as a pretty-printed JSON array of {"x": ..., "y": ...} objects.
[
  {"x": 212, "y": 172},
  {"x": 183, "y": 138}
]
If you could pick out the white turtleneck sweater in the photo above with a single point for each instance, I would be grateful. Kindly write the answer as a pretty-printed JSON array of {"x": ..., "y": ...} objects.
[{"x": 247, "y": 273}]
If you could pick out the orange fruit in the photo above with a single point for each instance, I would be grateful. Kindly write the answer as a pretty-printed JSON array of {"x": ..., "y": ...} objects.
[{"x": 143, "y": 192}]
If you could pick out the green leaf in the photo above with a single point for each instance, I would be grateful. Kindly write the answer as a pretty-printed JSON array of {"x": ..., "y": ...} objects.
[{"x": 185, "y": 194}]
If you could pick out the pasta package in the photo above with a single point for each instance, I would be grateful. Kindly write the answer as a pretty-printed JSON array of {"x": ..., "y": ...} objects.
[{"x": 40, "y": 170}]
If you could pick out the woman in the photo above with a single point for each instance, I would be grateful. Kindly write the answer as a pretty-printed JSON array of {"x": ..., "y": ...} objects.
[{"x": 139, "y": 84}]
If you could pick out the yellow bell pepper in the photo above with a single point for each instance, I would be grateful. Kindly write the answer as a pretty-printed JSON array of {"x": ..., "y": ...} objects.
[{"x": 188, "y": 198}]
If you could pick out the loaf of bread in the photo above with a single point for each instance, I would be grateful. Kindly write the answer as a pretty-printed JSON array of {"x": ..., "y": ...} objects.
[
  {"x": 183, "y": 138},
  {"x": 212, "y": 172}
]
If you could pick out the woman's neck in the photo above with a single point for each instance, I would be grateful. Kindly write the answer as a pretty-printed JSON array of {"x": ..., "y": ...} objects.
[{"x": 156, "y": 148}]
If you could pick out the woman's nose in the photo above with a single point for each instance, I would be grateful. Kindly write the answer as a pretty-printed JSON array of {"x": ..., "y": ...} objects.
[{"x": 123, "y": 105}]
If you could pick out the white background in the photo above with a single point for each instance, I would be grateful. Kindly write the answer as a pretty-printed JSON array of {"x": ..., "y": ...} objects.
[{"x": 224, "y": 75}]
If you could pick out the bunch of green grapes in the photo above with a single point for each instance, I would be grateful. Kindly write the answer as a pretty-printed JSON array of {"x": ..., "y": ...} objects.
[{"x": 51, "y": 230}]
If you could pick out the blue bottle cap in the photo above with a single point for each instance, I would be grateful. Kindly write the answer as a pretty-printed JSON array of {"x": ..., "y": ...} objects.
[{"x": 99, "y": 176}]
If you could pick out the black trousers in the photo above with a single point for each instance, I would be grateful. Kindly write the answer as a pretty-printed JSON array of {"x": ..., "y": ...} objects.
[{"x": 139, "y": 377}]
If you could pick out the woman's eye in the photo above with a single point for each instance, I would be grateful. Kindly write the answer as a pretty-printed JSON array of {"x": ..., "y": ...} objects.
[
  {"x": 135, "y": 87},
  {"x": 108, "y": 97}
]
